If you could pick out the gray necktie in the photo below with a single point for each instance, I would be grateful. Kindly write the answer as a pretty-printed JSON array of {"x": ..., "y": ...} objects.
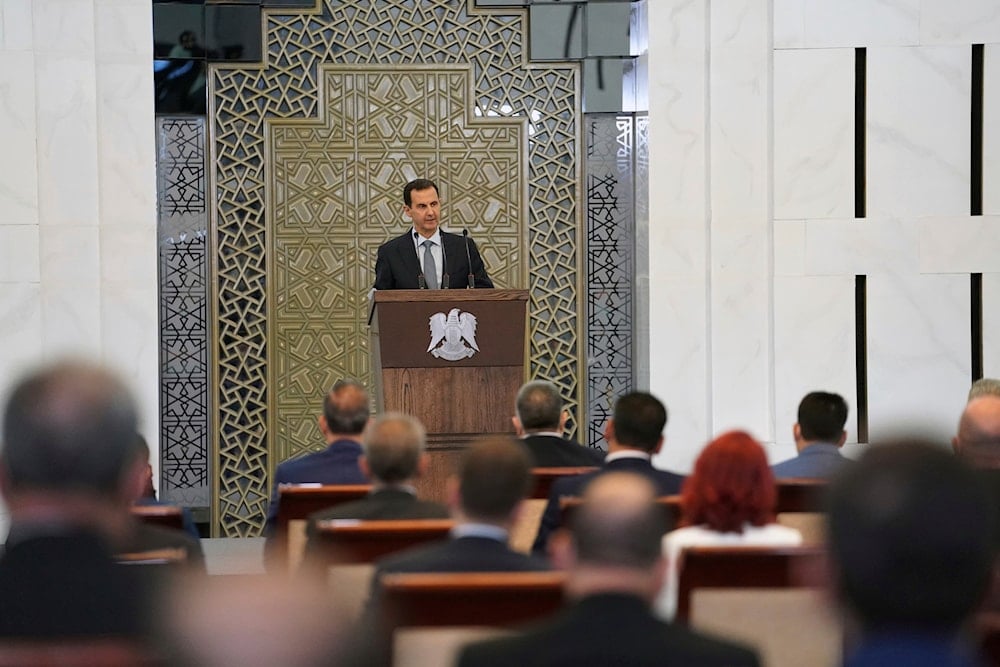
[{"x": 430, "y": 268}]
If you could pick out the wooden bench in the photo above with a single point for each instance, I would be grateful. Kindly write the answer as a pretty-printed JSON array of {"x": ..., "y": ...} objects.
[
  {"x": 546, "y": 477},
  {"x": 165, "y": 516},
  {"x": 296, "y": 502},
  {"x": 801, "y": 495}
]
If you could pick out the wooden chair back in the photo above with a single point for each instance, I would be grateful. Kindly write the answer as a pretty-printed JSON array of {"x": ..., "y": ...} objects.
[
  {"x": 801, "y": 495},
  {"x": 76, "y": 653},
  {"x": 546, "y": 477},
  {"x": 350, "y": 541},
  {"x": 166, "y": 516},
  {"x": 296, "y": 502},
  {"x": 746, "y": 567}
]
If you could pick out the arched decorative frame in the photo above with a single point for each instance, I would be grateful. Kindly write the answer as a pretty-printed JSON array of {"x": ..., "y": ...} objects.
[{"x": 298, "y": 47}]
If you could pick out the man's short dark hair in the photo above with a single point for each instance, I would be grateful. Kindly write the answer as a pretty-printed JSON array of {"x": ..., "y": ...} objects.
[
  {"x": 417, "y": 184},
  {"x": 539, "y": 406},
  {"x": 494, "y": 476},
  {"x": 393, "y": 444},
  {"x": 347, "y": 408},
  {"x": 618, "y": 523},
  {"x": 822, "y": 416},
  {"x": 639, "y": 420},
  {"x": 69, "y": 427},
  {"x": 912, "y": 537}
]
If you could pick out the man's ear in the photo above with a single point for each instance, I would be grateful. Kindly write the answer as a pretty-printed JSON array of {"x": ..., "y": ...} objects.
[
  {"x": 796, "y": 432},
  {"x": 134, "y": 481},
  {"x": 364, "y": 467},
  {"x": 518, "y": 429},
  {"x": 659, "y": 444},
  {"x": 422, "y": 464},
  {"x": 323, "y": 428},
  {"x": 453, "y": 492},
  {"x": 562, "y": 550},
  {"x": 956, "y": 446},
  {"x": 563, "y": 418},
  {"x": 842, "y": 439},
  {"x": 609, "y": 431}
]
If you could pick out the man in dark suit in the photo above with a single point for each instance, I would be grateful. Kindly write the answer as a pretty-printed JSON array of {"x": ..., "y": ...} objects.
[
  {"x": 539, "y": 421},
  {"x": 819, "y": 434},
  {"x": 633, "y": 434},
  {"x": 614, "y": 569},
  {"x": 425, "y": 256},
  {"x": 69, "y": 472},
  {"x": 393, "y": 459}
]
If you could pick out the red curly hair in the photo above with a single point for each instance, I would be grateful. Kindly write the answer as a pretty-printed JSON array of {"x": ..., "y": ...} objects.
[{"x": 731, "y": 485}]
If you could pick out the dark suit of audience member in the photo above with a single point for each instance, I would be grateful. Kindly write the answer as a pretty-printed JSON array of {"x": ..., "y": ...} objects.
[
  {"x": 69, "y": 473},
  {"x": 393, "y": 459},
  {"x": 634, "y": 434},
  {"x": 819, "y": 434},
  {"x": 401, "y": 263},
  {"x": 912, "y": 541},
  {"x": 540, "y": 421},
  {"x": 346, "y": 409},
  {"x": 614, "y": 568},
  {"x": 494, "y": 477}
]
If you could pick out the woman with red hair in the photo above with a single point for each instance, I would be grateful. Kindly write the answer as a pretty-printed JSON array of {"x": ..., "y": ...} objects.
[{"x": 727, "y": 501}]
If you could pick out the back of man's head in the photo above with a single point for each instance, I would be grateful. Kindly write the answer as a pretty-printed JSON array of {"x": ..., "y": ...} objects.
[
  {"x": 393, "y": 445},
  {"x": 911, "y": 534},
  {"x": 69, "y": 428},
  {"x": 347, "y": 408},
  {"x": 539, "y": 406},
  {"x": 822, "y": 416},
  {"x": 639, "y": 419},
  {"x": 978, "y": 437},
  {"x": 618, "y": 524},
  {"x": 494, "y": 477},
  {"x": 984, "y": 387}
]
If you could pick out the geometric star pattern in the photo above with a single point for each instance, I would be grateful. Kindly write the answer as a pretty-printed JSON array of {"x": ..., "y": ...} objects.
[{"x": 384, "y": 43}]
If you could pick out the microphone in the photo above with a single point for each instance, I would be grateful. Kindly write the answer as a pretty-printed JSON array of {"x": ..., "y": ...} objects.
[
  {"x": 468, "y": 258},
  {"x": 421, "y": 283},
  {"x": 444, "y": 266}
]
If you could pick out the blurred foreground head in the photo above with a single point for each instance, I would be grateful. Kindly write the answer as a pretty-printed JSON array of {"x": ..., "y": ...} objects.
[{"x": 911, "y": 538}]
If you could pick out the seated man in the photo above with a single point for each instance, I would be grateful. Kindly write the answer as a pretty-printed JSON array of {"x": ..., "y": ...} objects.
[
  {"x": 148, "y": 495},
  {"x": 540, "y": 420},
  {"x": 912, "y": 547},
  {"x": 394, "y": 457},
  {"x": 346, "y": 409},
  {"x": 614, "y": 569},
  {"x": 819, "y": 434},
  {"x": 634, "y": 434},
  {"x": 69, "y": 473}
]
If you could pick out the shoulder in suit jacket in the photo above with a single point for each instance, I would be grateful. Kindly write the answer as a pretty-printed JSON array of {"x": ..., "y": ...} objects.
[
  {"x": 607, "y": 629},
  {"x": 553, "y": 451},
  {"x": 667, "y": 484},
  {"x": 397, "y": 265}
]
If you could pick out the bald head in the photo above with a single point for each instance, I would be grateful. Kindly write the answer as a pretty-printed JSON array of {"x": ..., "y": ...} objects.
[
  {"x": 978, "y": 438},
  {"x": 619, "y": 523},
  {"x": 346, "y": 409},
  {"x": 393, "y": 445}
]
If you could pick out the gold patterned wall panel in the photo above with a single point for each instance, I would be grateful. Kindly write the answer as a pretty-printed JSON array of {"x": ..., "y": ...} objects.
[
  {"x": 334, "y": 195},
  {"x": 294, "y": 233}
]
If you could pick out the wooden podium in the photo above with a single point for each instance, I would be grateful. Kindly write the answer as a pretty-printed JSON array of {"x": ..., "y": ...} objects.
[{"x": 425, "y": 365}]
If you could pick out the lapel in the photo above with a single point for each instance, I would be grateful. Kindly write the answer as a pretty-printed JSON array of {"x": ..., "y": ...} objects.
[{"x": 407, "y": 253}]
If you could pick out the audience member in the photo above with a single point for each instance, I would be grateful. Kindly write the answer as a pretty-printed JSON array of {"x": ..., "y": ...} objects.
[
  {"x": 614, "y": 569},
  {"x": 912, "y": 546},
  {"x": 148, "y": 496},
  {"x": 346, "y": 409},
  {"x": 394, "y": 458},
  {"x": 69, "y": 473},
  {"x": 727, "y": 501},
  {"x": 634, "y": 434},
  {"x": 540, "y": 421},
  {"x": 984, "y": 387},
  {"x": 819, "y": 434},
  {"x": 978, "y": 437}
]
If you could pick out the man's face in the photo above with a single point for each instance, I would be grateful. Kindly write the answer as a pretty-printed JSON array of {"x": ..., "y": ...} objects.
[{"x": 425, "y": 211}]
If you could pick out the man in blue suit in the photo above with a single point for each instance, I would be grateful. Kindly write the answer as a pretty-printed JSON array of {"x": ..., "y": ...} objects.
[
  {"x": 819, "y": 434},
  {"x": 346, "y": 410},
  {"x": 634, "y": 434}
]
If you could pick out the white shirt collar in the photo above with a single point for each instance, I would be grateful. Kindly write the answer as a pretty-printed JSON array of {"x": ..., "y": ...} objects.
[
  {"x": 435, "y": 238},
  {"x": 627, "y": 454}
]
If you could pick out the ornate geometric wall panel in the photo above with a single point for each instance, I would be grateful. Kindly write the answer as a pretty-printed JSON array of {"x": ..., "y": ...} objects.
[
  {"x": 610, "y": 273},
  {"x": 181, "y": 230},
  {"x": 335, "y": 195},
  {"x": 380, "y": 35}
]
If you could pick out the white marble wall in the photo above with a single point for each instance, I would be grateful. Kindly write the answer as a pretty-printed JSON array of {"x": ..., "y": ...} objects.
[
  {"x": 78, "y": 269},
  {"x": 753, "y": 242}
]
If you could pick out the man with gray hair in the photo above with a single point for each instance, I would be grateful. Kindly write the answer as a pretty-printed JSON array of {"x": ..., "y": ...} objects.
[
  {"x": 614, "y": 568},
  {"x": 393, "y": 459},
  {"x": 69, "y": 470},
  {"x": 984, "y": 387},
  {"x": 540, "y": 421}
]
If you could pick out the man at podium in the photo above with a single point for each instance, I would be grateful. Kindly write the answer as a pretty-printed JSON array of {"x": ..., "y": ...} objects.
[{"x": 426, "y": 257}]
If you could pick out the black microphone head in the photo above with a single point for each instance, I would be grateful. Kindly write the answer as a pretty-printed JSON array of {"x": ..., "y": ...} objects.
[{"x": 465, "y": 233}]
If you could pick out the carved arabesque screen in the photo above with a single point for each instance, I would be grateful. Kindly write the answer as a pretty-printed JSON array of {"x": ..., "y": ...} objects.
[{"x": 486, "y": 47}]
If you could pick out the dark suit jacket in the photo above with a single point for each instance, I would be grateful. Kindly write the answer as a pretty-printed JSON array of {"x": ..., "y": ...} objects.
[
  {"x": 66, "y": 584},
  {"x": 397, "y": 265},
  {"x": 607, "y": 629},
  {"x": 337, "y": 464},
  {"x": 551, "y": 451},
  {"x": 666, "y": 483}
]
